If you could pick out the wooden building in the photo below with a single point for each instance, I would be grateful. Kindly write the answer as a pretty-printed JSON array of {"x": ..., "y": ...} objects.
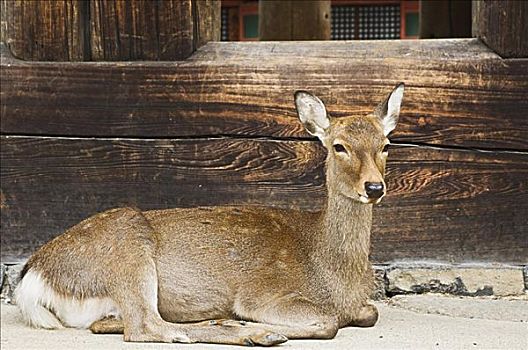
[
  {"x": 350, "y": 19},
  {"x": 107, "y": 104}
]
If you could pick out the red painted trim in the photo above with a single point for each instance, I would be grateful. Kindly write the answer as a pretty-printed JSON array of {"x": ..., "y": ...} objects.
[
  {"x": 248, "y": 8},
  {"x": 405, "y": 8},
  {"x": 363, "y": 2}
]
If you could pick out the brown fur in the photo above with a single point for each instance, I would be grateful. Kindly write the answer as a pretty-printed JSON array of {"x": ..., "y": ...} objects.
[{"x": 287, "y": 272}]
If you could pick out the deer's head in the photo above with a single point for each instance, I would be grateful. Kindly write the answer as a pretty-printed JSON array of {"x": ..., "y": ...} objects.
[{"x": 357, "y": 145}]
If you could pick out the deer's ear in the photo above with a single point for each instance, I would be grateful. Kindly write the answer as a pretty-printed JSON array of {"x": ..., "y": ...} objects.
[
  {"x": 312, "y": 113},
  {"x": 389, "y": 110}
]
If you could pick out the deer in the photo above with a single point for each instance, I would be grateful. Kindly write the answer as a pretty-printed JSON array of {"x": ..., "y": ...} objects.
[{"x": 240, "y": 275}]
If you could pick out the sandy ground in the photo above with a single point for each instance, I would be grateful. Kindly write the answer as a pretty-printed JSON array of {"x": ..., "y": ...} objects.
[{"x": 413, "y": 322}]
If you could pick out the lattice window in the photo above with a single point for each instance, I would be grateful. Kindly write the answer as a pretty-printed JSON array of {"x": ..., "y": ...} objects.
[
  {"x": 225, "y": 24},
  {"x": 365, "y": 22},
  {"x": 379, "y": 22},
  {"x": 343, "y": 26}
]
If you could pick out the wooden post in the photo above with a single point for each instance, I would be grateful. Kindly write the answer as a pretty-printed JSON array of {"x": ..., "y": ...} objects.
[
  {"x": 207, "y": 22},
  {"x": 3, "y": 21},
  {"x": 294, "y": 20},
  {"x": 445, "y": 19},
  {"x": 45, "y": 30},
  {"x": 100, "y": 30},
  {"x": 503, "y": 26},
  {"x": 141, "y": 30}
]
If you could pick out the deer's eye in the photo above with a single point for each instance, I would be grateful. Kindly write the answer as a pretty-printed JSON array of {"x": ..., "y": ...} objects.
[
  {"x": 385, "y": 148},
  {"x": 340, "y": 148}
]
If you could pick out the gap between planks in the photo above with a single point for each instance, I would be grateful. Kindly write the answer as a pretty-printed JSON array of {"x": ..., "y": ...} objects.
[{"x": 262, "y": 138}]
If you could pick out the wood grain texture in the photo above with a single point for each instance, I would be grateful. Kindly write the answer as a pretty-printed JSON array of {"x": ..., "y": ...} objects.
[
  {"x": 294, "y": 20},
  {"x": 502, "y": 25},
  {"x": 446, "y": 205},
  {"x": 3, "y": 20},
  {"x": 48, "y": 184},
  {"x": 141, "y": 30},
  {"x": 453, "y": 206},
  {"x": 103, "y": 30},
  {"x": 331, "y": 51},
  {"x": 45, "y": 30},
  {"x": 206, "y": 21},
  {"x": 479, "y": 103}
]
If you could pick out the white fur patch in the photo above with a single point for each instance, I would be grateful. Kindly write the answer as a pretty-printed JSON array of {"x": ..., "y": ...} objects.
[
  {"x": 42, "y": 307},
  {"x": 363, "y": 199}
]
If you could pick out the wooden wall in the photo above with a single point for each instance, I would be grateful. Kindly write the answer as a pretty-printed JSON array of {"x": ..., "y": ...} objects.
[
  {"x": 101, "y": 30},
  {"x": 220, "y": 128}
]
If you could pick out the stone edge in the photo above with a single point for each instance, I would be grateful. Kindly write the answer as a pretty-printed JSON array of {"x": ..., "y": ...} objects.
[{"x": 9, "y": 276}]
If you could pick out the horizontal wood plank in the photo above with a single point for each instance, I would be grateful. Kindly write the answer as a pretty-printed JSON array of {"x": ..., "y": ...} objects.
[
  {"x": 445, "y": 205},
  {"x": 479, "y": 103},
  {"x": 48, "y": 184},
  {"x": 424, "y": 49}
]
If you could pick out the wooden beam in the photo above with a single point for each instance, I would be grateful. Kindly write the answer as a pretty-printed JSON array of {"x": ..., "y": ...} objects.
[
  {"x": 67, "y": 179},
  {"x": 141, "y": 30},
  {"x": 294, "y": 20},
  {"x": 463, "y": 100},
  {"x": 453, "y": 206},
  {"x": 45, "y": 30},
  {"x": 446, "y": 205},
  {"x": 100, "y": 30},
  {"x": 331, "y": 52},
  {"x": 502, "y": 25},
  {"x": 3, "y": 21},
  {"x": 206, "y": 21},
  {"x": 445, "y": 19},
  {"x": 150, "y": 133}
]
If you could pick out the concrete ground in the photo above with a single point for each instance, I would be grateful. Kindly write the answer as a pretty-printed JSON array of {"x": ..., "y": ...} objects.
[{"x": 407, "y": 322}]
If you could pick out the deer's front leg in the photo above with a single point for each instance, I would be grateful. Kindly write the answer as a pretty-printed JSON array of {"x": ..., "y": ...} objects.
[{"x": 296, "y": 318}]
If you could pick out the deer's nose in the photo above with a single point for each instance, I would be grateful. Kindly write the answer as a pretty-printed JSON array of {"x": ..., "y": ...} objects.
[{"x": 374, "y": 190}]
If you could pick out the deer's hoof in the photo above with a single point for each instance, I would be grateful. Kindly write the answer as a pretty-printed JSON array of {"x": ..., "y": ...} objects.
[{"x": 265, "y": 339}]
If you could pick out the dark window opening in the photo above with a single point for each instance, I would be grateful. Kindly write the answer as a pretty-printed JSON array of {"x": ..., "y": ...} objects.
[
  {"x": 224, "y": 36},
  {"x": 350, "y": 20}
]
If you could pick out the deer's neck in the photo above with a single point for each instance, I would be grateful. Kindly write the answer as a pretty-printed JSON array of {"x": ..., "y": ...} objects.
[{"x": 343, "y": 241}]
